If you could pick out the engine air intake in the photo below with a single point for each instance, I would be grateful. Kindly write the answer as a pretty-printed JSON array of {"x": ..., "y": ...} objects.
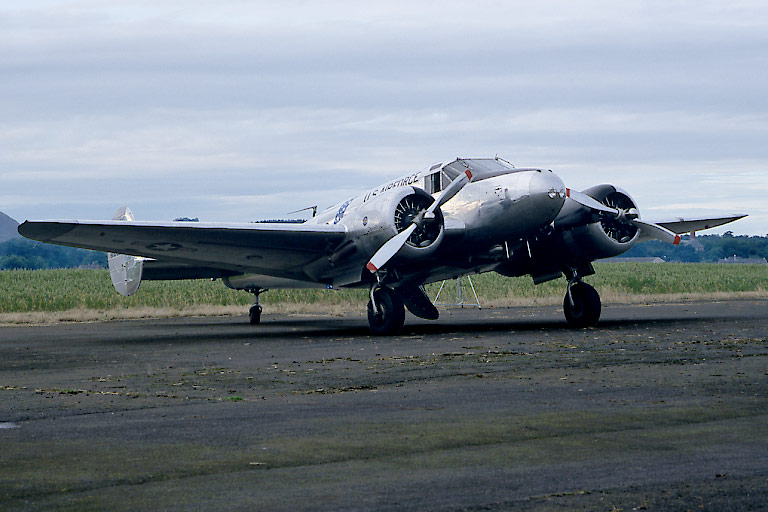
[
  {"x": 618, "y": 229},
  {"x": 428, "y": 230}
]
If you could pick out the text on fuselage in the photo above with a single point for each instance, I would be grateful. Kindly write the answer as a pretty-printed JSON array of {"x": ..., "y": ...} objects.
[{"x": 403, "y": 182}]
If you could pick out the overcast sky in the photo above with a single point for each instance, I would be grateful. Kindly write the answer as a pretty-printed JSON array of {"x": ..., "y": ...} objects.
[{"x": 242, "y": 110}]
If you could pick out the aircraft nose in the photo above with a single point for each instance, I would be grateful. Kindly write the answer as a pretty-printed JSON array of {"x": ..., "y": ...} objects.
[{"x": 547, "y": 191}]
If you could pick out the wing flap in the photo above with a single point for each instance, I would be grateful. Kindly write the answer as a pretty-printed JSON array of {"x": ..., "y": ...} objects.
[{"x": 163, "y": 271}]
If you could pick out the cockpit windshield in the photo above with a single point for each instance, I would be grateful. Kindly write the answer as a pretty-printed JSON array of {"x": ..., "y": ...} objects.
[{"x": 481, "y": 168}]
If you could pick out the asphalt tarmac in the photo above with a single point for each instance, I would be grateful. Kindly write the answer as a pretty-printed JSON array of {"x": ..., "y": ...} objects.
[{"x": 662, "y": 407}]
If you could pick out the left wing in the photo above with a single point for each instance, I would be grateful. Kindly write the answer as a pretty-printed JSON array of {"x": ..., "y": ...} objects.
[{"x": 273, "y": 249}]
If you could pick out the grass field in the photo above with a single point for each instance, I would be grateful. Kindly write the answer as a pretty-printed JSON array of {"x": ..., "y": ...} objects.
[{"x": 68, "y": 295}]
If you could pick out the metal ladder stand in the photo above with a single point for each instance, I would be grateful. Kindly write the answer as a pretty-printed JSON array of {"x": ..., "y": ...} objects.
[{"x": 459, "y": 294}]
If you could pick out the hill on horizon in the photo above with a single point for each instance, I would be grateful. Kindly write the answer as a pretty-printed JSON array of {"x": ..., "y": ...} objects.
[{"x": 8, "y": 228}]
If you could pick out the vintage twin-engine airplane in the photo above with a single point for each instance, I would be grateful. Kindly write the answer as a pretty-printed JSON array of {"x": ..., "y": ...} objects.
[{"x": 465, "y": 217}]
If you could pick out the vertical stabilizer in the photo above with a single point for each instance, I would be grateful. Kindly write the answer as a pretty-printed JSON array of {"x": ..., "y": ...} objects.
[{"x": 125, "y": 270}]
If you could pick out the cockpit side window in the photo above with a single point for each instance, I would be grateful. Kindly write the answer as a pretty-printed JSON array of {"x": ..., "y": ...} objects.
[{"x": 435, "y": 182}]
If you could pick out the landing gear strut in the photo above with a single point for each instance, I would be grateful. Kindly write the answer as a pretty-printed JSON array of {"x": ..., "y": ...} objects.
[
  {"x": 581, "y": 304},
  {"x": 254, "y": 314},
  {"x": 386, "y": 313}
]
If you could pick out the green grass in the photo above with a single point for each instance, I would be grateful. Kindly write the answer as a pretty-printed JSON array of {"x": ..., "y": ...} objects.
[
  {"x": 637, "y": 278},
  {"x": 66, "y": 289},
  {"x": 62, "y": 290}
]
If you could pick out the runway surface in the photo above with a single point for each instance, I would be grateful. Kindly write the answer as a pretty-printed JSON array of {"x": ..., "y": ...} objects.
[{"x": 662, "y": 407}]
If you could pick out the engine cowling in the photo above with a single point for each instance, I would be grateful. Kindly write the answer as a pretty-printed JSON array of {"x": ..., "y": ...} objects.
[
  {"x": 390, "y": 213},
  {"x": 594, "y": 236},
  {"x": 579, "y": 237}
]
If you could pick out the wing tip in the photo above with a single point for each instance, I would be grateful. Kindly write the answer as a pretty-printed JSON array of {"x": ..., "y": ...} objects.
[{"x": 43, "y": 231}]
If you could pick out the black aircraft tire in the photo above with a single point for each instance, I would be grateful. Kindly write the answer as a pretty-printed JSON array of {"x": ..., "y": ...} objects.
[
  {"x": 390, "y": 321},
  {"x": 254, "y": 314},
  {"x": 585, "y": 311}
]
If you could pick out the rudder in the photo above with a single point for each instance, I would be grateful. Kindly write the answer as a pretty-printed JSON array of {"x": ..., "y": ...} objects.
[{"x": 125, "y": 270}]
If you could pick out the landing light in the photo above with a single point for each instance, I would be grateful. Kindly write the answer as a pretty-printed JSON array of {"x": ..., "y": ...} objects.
[{"x": 553, "y": 193}]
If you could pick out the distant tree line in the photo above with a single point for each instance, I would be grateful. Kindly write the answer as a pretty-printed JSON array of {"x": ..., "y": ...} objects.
[
  {"x": 21, "y": 253},
  {"x": 706, "y": 248}
]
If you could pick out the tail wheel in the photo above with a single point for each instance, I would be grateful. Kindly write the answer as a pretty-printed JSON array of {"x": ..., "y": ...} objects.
[
  {"x": 585, "y": 309},
  {"x": 255, "y": 314},
  {"x": 388, "y": 316}
]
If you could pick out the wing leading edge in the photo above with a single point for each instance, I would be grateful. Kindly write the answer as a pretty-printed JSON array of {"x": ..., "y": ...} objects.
[{"x": 275, "y": 249}]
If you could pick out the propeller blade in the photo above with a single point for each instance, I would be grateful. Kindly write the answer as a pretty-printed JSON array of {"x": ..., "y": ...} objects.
[
  {"x": 657, "y": 232},
  {"x": 387, "y": 251},
  {"x": 589, "y": 202},
  {"x": 451, "y": 190}
]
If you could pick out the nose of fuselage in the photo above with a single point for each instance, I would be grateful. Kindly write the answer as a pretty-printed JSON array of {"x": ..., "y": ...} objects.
[{"x": 547, "y": 194}]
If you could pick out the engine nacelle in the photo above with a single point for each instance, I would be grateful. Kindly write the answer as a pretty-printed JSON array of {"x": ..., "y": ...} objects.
[
  {"x": 386, "y": 215},
  {"x": 580, "y": 237},
  {"x": 597, "y": 237}
]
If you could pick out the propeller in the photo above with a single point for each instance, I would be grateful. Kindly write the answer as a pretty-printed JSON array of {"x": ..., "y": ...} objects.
[
  {"x": 628, "y": 216},
  {"x": 387, "y": 251}
]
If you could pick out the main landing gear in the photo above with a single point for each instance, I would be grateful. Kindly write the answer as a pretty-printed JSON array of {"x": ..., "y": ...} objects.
[
  {"x": 581, "y": 304},
  {"x": 386, "y": 313}
]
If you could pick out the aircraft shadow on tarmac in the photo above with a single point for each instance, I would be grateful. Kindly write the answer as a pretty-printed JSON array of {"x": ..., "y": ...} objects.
[
  {"x": 332, "y": 327},
  {"x": 299, "y": 329}
]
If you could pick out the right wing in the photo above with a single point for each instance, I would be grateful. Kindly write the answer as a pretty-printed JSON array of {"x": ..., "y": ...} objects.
[
  {"x": 272, "y": 249},
  {"x": 681, "y": 225}
]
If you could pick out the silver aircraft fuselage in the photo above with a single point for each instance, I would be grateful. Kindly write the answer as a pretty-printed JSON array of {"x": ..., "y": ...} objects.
[{"x": 496, "y": 208}]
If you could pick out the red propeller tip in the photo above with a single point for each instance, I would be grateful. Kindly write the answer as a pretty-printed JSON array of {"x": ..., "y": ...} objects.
[
  {"x": 370, "y": 266},
  {"x": 677, "y": 240}
]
